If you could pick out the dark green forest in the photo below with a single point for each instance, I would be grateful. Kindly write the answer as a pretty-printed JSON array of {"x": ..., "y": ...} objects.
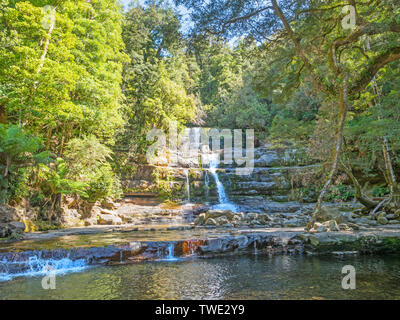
[{"x": 83, "y": 82}]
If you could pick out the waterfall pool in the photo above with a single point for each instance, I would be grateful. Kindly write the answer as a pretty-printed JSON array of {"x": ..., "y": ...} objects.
[{"x": 244, "y": 277}]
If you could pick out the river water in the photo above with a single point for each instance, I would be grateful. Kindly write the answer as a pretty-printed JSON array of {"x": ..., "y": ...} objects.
[{"x": 240, "y": 277}]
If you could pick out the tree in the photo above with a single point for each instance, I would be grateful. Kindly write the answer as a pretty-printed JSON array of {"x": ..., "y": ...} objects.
[
  {"x": 158, "y": 83},
  {"x": 332, "y": 58}
]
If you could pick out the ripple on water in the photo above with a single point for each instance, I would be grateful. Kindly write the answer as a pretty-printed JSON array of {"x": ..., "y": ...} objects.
[{"x": 244, "y": 277}]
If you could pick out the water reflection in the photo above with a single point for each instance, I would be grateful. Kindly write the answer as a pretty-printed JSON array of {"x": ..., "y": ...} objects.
[{"x": 244, "y": 277}]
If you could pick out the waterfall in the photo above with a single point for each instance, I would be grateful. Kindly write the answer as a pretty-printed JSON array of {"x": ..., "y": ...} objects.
[
  {"x": 36, "y": 266},
  {"x": 224, "y": 203},
  {"x": 187, "y": 186},
  {"x": 170, "y": 252}
]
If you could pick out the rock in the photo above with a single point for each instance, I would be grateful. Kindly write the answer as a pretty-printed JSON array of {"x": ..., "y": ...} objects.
[
  {"x": 5, "y": 231},
  {"x": 372, "y": 223},
  {"x": 8, "y": 214},
  {"x": 319, "y": 227},
  {"x": 381, "y": 214},
  {"x": 202, "y": 218},
  {"x": 382, "y": 220},
  {"x": 107, "y": 219},
  {"x": 397, "y": 213},
  {"x": 327, "y": 214},
  {"x": 252, "y": 216},
  {"x": 222, "y": 220},
  {"x": 105, "y": 211},
  {"x": 333, "y": 226},
  {"x": 17, "y": 227},
  {"x": 90, "y": 221},
  {"x": 211, "y": 222},
  {"x": 391, "y": 216},
  {"x": 237, "y": 217},
  {"x": 219, "y": 213},
  {"x": 125, "y": 218},
  {"x": 292, "y": 223},
  {"x": 109, "y": 204},
  {"x": 70, "y": 217},
  {"x": 353, "y": 226},
  {"x": 343, "y": 227}
]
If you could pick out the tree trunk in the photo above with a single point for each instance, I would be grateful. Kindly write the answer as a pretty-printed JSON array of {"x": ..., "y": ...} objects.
[
  {"x": 53, "y": 203},
  {"x": 338, "y": 142},
  {"x": 362, "y": 198},
  {"x": 8, "y": 165},
  {"x": 45, "y": 48},
  {"x": 391, "y": 177}
]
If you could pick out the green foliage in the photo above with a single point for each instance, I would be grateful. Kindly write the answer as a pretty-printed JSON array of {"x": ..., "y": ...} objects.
[
  {"x": 158, "y": 83},
  {"x": 290, "y": 129},
  {"x": 340, "y": 192},
  {"x": 20, "y": 153},
  {"x": 55, "y": 180},
  {"x": 88, "y": 161},
  {"x": 380, "y": 191}
]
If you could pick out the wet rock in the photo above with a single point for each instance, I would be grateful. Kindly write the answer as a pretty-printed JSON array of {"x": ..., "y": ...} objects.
[{"x": 391, "y": 216}]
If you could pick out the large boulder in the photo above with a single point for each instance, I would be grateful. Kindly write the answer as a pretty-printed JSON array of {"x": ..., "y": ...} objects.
[
  {"x": 327, "y": 214},
  {"x": 11, "y": 229},
  {"x": 8, "y": 214},
  {"x": 219, "y": 213},
  {"x": 5, "y": 231}
]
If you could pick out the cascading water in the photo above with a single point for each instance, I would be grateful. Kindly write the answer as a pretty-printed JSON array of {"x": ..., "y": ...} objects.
[
  {"x": 224, "y": 203},
  {"x": 170, "y": 252},
  {"x": 36, "y": 266}
]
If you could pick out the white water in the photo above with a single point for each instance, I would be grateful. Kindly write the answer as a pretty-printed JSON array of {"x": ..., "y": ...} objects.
[
  {"x": 170, "y": 255},
  {"x": 36, "y": 267},
  {"x": 224, "y": 203}
]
